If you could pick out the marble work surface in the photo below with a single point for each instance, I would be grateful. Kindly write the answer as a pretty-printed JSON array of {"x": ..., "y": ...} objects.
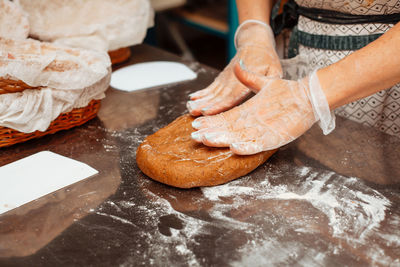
[{"x": 321, "y": 200}]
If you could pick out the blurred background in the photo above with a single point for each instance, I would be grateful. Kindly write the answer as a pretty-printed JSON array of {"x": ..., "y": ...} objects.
[{"x": 201, "y": 30}]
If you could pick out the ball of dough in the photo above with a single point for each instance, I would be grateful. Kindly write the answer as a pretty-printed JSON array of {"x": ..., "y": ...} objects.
[{"x": 171, "y": 157}]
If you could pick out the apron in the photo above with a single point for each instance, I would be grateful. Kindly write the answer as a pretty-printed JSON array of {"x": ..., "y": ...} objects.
[{"x": 315, "y": 43}]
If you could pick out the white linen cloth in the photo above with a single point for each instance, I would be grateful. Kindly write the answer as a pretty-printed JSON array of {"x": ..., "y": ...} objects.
[
  {"x": 103, "y": 25},
  {"x": 13, "y": 21},
  {"x": 70, "y": 78}
]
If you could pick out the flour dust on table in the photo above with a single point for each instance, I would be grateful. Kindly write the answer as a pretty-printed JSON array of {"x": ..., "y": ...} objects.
[{"x": 282, "y": 215}]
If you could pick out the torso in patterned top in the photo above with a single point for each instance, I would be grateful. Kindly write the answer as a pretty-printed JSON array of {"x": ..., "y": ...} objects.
[{"x": 355, "y": 7}]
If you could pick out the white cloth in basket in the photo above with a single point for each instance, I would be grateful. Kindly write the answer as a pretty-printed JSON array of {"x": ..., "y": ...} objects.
[
  {"x": 13, "y": 21},
  {"x": 70, "y": 78},
  {"x": 104, "y": 25}
]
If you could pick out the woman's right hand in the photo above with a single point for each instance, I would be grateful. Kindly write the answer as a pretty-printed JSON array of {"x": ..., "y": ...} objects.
[{"x": 256, "y": 48}]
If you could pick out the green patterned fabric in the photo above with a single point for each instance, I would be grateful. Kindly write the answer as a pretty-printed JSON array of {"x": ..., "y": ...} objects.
[
  {"x": 350, "y": 42},
  {"x": 293, "y": 48},
  {"x": 320, "y": 44}
]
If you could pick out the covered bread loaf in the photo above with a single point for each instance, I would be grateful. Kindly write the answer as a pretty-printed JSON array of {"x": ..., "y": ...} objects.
[
  {"x": 39, "y": 81},
  {"x": 104, "y": 25},
  {"x": 13, "y": 21}
]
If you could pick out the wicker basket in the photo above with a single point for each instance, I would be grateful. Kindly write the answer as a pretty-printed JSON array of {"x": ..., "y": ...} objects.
[
  {"x": 65, "y": 121},
  {"x": 119, "y": 55},
  {"x": 11, "y": 86}
]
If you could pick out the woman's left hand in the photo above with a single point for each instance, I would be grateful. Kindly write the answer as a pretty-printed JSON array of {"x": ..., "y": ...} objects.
[{"x": 256, "y": 47}]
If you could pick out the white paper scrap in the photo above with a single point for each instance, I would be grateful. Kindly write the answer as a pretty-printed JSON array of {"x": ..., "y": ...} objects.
[
  {"x": 40, "y": 174},
  {"x": 150, "y": 74}
]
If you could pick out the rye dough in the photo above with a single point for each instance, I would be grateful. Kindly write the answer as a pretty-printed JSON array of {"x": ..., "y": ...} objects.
[{"x": 171, "y": 157}]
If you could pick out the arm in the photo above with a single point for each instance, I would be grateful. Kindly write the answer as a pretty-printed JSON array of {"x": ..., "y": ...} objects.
[
  {"x": 283, "y": 110},
  {"x": 366, "y": 71},
  {"x": 255, "y": 9},
  {"x": 252, "y": 40}
]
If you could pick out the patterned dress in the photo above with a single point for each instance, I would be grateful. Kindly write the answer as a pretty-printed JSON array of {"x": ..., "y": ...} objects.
[{"x": 380, "y": 110}]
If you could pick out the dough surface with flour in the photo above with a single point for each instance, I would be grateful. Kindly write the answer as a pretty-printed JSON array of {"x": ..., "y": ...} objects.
[{"x": 171, "y": 157}]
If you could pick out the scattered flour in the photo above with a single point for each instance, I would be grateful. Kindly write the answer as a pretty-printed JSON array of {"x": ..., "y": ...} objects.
[
  {"x": 352, "y": 215},
  {"x": 354, "y": 212},
  {"x": 272, "y": 252},
  {"x": 215, "y": 192},
  {"x": 117, "y": 218},
  {"x": 281, "y": 220},
  {"x": 161, "y": 245}
]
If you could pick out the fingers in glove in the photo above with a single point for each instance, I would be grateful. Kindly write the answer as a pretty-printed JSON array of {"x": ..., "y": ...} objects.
[
  {"x": 251, "y": 80},
  {"x": 214, "y": 137},
  {"x": 270, "y": 139},
  {"x": 216, "y": 121},
  {"x": 225, "y": 102},
  {"x": 200, "y": 94},
  {"x": 246, "y": 148},
  {"x": 215, "y": 86},
  {"x": 224, "y": 98},
  {"x": 275, "y": 72},
  {"x": 224, "y": 136},
  {"x": 195, "y": 107}
]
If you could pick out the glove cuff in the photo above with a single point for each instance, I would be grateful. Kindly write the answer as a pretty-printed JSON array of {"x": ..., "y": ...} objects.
[
  {"x": 320, "y": 105},
  {"x": 254, "y": 21}
]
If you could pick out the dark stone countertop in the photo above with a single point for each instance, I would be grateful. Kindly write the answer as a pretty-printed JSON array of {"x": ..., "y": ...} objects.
[{"x": 321, "y": 200}]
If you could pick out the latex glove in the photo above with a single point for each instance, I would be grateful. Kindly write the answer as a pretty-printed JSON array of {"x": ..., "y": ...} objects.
[
  {"x": 282, "y": 111},
  {"x": 256, "y": 47}
]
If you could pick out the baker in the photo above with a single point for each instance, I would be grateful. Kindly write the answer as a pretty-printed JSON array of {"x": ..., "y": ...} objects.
[{"x": 347, "y": 62}]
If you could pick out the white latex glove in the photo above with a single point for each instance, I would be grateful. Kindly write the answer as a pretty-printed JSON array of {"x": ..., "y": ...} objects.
[
  {"x": 281, "y": 111},
  {"x": 256, "y": 47}
]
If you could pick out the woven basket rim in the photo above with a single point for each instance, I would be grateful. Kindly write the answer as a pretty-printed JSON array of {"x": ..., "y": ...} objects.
[{"x": 64, "y": 121}]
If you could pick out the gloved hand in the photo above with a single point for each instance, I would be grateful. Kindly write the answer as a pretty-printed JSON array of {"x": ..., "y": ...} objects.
[
  {"x": 256, "y": 47},
  {"x": 282, "y": 111}
]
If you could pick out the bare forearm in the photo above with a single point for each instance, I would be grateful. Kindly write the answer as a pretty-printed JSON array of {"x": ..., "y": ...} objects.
[
  {"x": 366, "y": 71},
  {"x": 255, "y": 9}
]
